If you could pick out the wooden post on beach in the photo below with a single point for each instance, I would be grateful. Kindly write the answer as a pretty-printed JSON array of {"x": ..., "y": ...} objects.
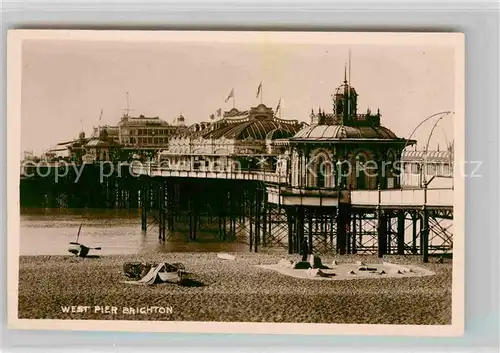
[
  {"x": 353, "y": 233},
  {"x": 310, "y": 221},
  {"x": 144, "y": 205},
  {"x": 424, "y": 234},
  {"x": 389, "y": 234},
  {"x": 414, "y": 234},
  {"x": 250, "y": 221},
  {"x": 190, "y": 215},
  {"x": 342, "y": 220},
  {"x": 265, "y": 211},
  {"x": 382, "y": 233},
  {"x": 401, "y": 232},
  {"x": 291, "y": 222},
  {"x": 257, "y": 219}
]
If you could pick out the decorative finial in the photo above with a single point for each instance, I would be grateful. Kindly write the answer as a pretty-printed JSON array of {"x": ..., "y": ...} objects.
[{"x": 345, "y": 74}]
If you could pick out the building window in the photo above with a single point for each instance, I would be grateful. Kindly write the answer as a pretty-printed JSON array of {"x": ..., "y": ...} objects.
[
  {"x": 360, "y": 171},
  {"x": 320, "y": 172}
]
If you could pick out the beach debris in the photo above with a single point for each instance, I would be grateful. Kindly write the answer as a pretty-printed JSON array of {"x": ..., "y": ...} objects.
[
  {"x": 326, "y": 273},
  {"x": 224, "y": 256},
  {"x": 405, "y": 269},
  {"x": 367, "y": 268},
  {"x": 316, "y": 272},
  {"x": 157, "y": 273},
  {"x": 382, "y": 272},
  {"x": 136, "y": 269},
  {"x": 351, "y": 272},
  {"x": 334, "y": 263}
]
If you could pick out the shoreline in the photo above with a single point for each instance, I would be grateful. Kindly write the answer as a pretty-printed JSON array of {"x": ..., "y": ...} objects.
[{"x": 225, "y": 290}]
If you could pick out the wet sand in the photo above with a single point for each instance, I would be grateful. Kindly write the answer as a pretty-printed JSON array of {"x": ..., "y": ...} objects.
[{"x": 223, "y": 290}]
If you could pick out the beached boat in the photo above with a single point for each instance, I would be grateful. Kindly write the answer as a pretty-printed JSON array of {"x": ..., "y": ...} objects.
[{"x": 79, "y": 249}]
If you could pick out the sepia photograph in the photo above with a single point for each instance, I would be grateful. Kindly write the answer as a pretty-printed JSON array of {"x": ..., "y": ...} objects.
[{"x": 266, "y": 182}]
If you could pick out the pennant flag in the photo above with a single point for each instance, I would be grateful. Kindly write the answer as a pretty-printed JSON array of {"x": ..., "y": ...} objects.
[
  {"x": 259, "y": 90},
  {"x": 231, "y": 95},
  {"x": 278, "y": 107},
  {"x": 219, "y": 112}
]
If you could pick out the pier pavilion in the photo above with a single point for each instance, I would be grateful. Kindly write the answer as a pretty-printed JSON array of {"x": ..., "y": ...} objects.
[{"x": 246, "y": 140}]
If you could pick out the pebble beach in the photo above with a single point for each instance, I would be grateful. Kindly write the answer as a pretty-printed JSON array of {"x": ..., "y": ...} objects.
[{"x": 66, "y": 287}]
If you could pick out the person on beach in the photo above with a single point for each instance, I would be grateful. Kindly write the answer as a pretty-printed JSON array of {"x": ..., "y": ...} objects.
[{"x": 304, "y": 249}]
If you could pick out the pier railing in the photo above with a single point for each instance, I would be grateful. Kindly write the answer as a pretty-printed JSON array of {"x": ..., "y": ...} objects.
[
  {"x": 269, "y": 177},
  {"x": 384, "y": 197},
  {"x": 403, "y": 197}
]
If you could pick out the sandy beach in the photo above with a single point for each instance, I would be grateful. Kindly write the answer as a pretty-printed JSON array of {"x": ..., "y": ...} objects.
[{"x": 223, "y": 290}]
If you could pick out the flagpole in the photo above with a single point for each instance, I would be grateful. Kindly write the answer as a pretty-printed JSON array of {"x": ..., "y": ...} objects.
[
  {"x": 261, "y": 92},
  {"x": 233, "y": 101}
]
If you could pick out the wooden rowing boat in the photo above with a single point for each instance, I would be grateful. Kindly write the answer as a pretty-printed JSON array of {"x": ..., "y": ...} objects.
[{"x": 79, "y": 249}]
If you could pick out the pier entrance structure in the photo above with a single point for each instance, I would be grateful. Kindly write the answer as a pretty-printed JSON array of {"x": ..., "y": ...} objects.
[{"x": 338, "y": 184}]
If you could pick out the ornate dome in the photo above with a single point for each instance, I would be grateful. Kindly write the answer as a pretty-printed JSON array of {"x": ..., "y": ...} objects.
[
  {"x": 345, "y": 88},
  {"x": 254, "y": 129},
  {"x": 279, "y": 133},
  {"x": 334, "y": 132}
]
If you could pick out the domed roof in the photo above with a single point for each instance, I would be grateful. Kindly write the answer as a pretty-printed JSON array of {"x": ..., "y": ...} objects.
[
  {"x": 345, "y": 88},
  {"x": 334, "y": 132},
  {"x": 255, "y": 129},
  {"x": 279, "y": 133}
]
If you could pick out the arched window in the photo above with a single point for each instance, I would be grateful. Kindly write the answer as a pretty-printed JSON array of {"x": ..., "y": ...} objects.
[
  {"x": 391, "y": 171},
  {"x": 320, "y": 172},
  {"x": 361, "y": 182}
]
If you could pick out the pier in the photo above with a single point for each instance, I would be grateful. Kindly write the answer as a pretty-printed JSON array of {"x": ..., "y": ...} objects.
[{"x": 342, "y": 184}]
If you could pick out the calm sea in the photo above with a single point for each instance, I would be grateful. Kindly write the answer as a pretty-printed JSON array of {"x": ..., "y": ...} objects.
[{"x": 48, "y": 232}]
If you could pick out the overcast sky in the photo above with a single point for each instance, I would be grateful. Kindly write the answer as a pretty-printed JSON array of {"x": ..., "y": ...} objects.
[{"x": 64, "y": 82}]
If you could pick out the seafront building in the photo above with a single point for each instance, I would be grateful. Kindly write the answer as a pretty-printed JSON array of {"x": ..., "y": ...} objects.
[{"x": 132, "y": 137}]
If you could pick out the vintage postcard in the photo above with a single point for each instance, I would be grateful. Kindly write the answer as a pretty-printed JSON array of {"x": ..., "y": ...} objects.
[{"x": 239, "y": 182}]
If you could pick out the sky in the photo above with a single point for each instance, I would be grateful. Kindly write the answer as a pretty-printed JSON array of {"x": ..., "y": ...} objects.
[{"x": 66, "y": 83}]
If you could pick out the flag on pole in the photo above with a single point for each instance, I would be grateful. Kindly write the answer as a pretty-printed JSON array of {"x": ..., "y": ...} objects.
[
  {"x": 278, "y": 107},
  {"x": 219, "y": 112},
  {"x": 259, "y": 90},
  {"x": 231, "y": 95}
]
